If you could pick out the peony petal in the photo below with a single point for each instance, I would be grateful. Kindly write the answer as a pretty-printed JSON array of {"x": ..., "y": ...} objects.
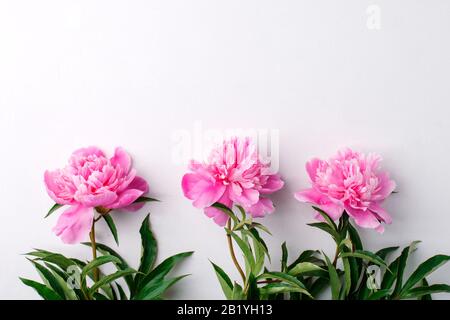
[
  {"x": 380, "y": 229},
  {"x": 381, "y": 213},
  {"x": 263, "y": 207},
  {"x": 311, "y": 168},
  {"x": 89, "y": 151},
  {"x": 127, "y": 180},
  {"x": 310, "y": 196},
  {"x": 364, "y": 219},
  {"x": 195, "y": 165},
  {"x": 387, "y": 186},
  {"x": 220, "y": 217},
  {"x": 126, "y": 198},
  {"x": 236, "y": 189},
  {"x": 202, "y": 191},
  {"x": 273, "y": 184},
  {"x": 121, "y": 158},
  {"x": 139, "y": 184},
  {"x": 334, "y": 210},
  {"x": 54, "y": 190},
  {"x": 104, "y": 198},
  {"x": 74, "y": 224},
  {"x": 134, "y": 207},
  {"x": 246, "y": 198}
]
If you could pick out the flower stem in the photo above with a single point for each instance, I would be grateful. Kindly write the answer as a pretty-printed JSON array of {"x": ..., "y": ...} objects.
[
  {"x": 233, "y": 254},
  {"x": 336, "y": 257},
  {"x": 94, "y": 251}
]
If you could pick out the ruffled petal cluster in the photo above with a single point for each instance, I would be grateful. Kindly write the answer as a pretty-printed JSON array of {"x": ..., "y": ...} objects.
[
  {"x": 91, "y": 180},
  {"x": 350, "y": 182},
  {"x": 233, "y": 174}
]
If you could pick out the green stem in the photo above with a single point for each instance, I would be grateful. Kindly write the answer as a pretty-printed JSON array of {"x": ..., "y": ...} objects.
[
  {"x": 336, "y": 256},
  {"x": 342, "y": 230},
  {"x": 94, "y": 251},
  {"x": 233, "y": 254}
]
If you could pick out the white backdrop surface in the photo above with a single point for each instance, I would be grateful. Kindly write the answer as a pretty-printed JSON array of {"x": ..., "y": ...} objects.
[{"x": 133, "y": 73}]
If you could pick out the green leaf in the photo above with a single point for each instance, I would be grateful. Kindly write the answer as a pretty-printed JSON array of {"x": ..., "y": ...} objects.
[
  {"x": 45, "y": 292},
  {"x": 384, "y": 253},
  {"x": 355, "y": 271},
  {"x": 365, "y": 255},
  {"x": 354, "y": 237},
  {"x": 307, "y": 269},
  {"x": 79, "y": 263},
  {"x": 426, "y": 297},
  {"x": 62, "y": 277},
  {"x": 146, "y": 199},
  {"x": 57, "y": 271},
  {"x": 149, "y": 250},
  {"x": 225, "y": 281},
  {"x": 253, "y": 233},
  {"x": 123, "y": 265},
  {"x": 97, "y": 263},
  {"x": 381, "y": 294},
  {"x": 284, "y": 257},
  {"x": 348, "y": 276},
  {"x": 334, "y": 279},
  {"x": 107, "y": 289},
  {"x": 153, "y": 291},
  {"x": 239, "y": 226},
  {"x": 113, "y": 291},
  {"x": 318, "y": 286},
  {"x": 397, "y": 268},
  {"x": 122, "y": 294},
  {"x": 424, "y": 270},
  {"x": 305, "y": 256},
  {"x": 242, "y": 211},
  {"x": 246, "y": 250},
  {"x": 390, "y": 277},
  {"x": 287, "y": 279},
  {"x": 343, "y": 226},
  {"x": 327, "y": 228},
  {"x": 253, "y": 293},
  {"x": 238, "y": 293},
  {"x": 261, "y": 227},
  {"x": 49, "y": 278},
  {"x": 427, "y": 290},
  {"x": 163, "y": 269},
  {"x": 279, "y": 288},
  {"x": 53, "y": 209},
  {"x": 403, "y": 259},
  {"x": 363, "y": 291},
  {"x": 345, "y": 244},
  {"x": 260, "y": 251},
  {"x": 327, "y": 218},
  {"x": 110, "y": 278},
  {"x": 227, "y": 211},
  {"x": 55, "y": 258},
  {"x": 356, "y": 265},
  {"x": 111, "y": 225},
  {"x": 100, "y": 297}
]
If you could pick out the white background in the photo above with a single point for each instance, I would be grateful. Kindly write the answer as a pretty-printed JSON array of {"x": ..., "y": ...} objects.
[{"x": 131, "y": 73}]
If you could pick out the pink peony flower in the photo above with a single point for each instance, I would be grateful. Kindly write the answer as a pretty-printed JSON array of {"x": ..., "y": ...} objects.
[
  {"x": 233, "y": 174},
  {"x": 89, "y": 181},
  {"x": 353, "y": 182}
]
